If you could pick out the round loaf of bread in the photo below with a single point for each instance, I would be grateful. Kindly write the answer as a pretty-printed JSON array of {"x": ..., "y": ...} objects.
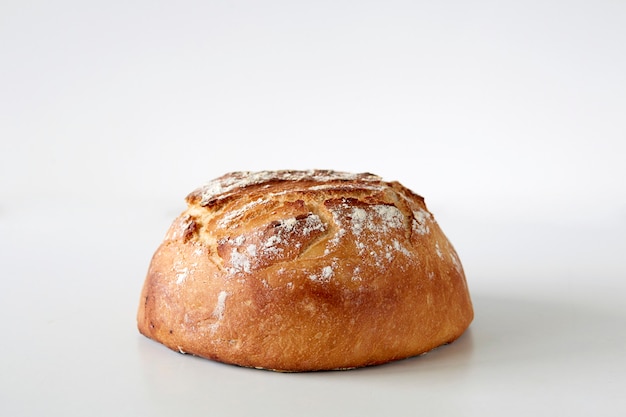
[{"x": 303, "y": 271}]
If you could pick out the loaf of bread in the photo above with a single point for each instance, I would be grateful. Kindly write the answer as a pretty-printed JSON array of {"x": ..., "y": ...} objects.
[{"x": 303, "y": 271}]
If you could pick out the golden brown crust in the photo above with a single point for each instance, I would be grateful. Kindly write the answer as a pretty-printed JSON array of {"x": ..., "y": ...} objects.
[{"x": 304, "y": 270}]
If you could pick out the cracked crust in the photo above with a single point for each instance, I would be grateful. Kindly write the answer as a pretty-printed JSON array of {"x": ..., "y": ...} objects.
[{"x": 304, "y": 270}]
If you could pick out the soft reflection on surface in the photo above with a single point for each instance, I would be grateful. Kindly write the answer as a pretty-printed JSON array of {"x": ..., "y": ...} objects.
[
  {"x": 526, "y": 330},
  {"x": 522, "y": 338}
]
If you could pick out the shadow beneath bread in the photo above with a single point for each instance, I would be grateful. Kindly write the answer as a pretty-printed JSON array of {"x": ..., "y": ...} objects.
[
  {"x": 517, "y": 331},
  {"x": 506, "y": 332},
  {"x": 513, "y": 343}
]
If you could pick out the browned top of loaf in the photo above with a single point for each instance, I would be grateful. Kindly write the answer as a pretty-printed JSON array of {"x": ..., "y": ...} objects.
[
  {"x": 254, "y": 220},
  {"x": 235, "y": 183}
]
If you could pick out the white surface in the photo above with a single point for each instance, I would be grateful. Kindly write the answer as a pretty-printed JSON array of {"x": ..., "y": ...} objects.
[
  {"x": 508, "y": 118},
  {"x": 543, "y": 342}
]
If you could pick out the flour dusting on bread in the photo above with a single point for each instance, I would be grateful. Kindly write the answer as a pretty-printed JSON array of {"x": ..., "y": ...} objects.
[{"x": 304, "y": 270}]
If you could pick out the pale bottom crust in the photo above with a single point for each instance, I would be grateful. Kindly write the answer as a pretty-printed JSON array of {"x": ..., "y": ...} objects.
[{"x": 299, "y": 370}]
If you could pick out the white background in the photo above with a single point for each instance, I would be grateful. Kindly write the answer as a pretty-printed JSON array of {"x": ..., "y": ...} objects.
[{"x": 509, "y": 117}]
